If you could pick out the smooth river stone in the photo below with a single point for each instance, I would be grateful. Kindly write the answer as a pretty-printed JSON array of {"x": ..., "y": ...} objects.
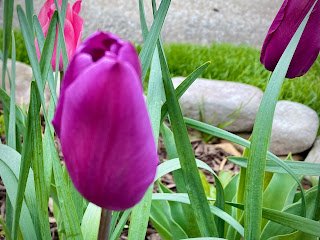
[
  {"x": 294, "y": 128},
  {"x": 314, "y": 154},
  {"x": 23, "y": 83},
  {"x": 220, "y": 102}
]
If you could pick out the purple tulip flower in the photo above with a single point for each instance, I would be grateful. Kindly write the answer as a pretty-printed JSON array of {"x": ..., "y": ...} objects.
[
  {"x": 103, "y": 124},
  {"x": 284, "y": 26}
]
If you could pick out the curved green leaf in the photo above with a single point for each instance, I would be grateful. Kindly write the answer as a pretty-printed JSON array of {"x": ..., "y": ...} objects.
[
  {"x": 37, "y": 163},
  {"x": 20, "y": 115},
  {"x": 298, "y": 235},
  {"x": 10, "y": 161},
  {"x": 5, "y": 229},
  {"x": 203, "y": 127},
  {"x": 90, "y": 222},
  {"x": 183, "y": 198},
  {"x": 289, "y": 220},
  {"x": 261, "y": 135},
  {"x": 205, "y": 238},
  {"x": 12, "y": 117},
  {"x": 159, "y": 220},
  {"x": 117, "y": 231},
  {"x": 182, "y": 88},
  {"x": 46, "y": 47},
  {"x": 152, "y": 38},
  {"x": 273, "y": 228},
  {"x": 302, "y": 168}
]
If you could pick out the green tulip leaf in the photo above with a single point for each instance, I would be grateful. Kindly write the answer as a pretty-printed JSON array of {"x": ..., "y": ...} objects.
[
  {"x": 152, "y": 38},
  {"x": 159, "y": 220},
  {"x": 123, "y": 220},
  {"x": 183, "y": 198},
  {"x": 303, "y": 168},
  {"x": 203, "y": 127},
  {"x": 274, "y": 228},
  {"x": 90, "y": 222},
  {"x": 10, "y": 161}
]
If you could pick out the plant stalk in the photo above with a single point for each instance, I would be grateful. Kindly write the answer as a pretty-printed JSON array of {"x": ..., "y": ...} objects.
[
  {"x": 105, "y": 221},
  {"x": 316, "y": 216}
]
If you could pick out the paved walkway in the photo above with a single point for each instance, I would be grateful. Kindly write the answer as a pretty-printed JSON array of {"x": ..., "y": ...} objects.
[{"x": 192, "y": 21}]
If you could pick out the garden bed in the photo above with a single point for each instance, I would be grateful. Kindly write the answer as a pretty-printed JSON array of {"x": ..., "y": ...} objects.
[{"x": 214, "y": 154}]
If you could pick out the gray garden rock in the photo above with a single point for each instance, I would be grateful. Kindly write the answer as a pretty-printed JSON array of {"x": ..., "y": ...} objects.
[
  {"x": 220, "y": 102},
  {"x": 294, "y": 128},
  {"x": 23, "y": 82},
  {"x": 314, "y": 154}
]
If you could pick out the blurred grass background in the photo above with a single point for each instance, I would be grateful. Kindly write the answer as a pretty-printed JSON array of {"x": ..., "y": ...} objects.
[
  {"x": 242, "y": 64},
  {"x": 228, "y": 62}
]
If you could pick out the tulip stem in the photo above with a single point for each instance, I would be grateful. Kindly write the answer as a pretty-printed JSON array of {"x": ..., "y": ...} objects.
[
  {"x": 61, "y": 77},
  {"x": 105, "y": 220}
]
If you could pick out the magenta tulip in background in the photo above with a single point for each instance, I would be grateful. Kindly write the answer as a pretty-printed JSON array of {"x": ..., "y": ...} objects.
[
  {"x": 282, "y": 30},
  {"x": 103, "y": 124},
  {"x": 72, "y": 28}
]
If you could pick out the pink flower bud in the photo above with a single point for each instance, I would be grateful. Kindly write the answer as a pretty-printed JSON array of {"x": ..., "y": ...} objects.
[{"x": 72, "y": 28}]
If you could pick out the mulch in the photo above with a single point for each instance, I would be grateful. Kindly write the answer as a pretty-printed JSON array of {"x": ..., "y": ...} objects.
[{"x": 211, "y": 153}]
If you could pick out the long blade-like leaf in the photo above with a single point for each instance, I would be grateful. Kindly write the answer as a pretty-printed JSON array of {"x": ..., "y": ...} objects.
[
  {"x": 141, "y": 212},
  {"x": 5, "y": 229},
  {"x": 205, "y": 238},
  {"x": 261, "y": 139},
  {"x": 71, "y": 222},
  {"x": 151, "y": 41},
  {"x": 174, "y": 164},
  {"x": 117, "y": 231},
  {"x": 46, "y": 46},
  {"x": 62, "y": 15},
  {"x": 182, "y": 88},
  {"x": 29, "y": 10},
  {"x": 9, "y": 172},
  {"x": 20, "y": 115},
  {"x": 37, "y": 164},
  {"x": 12, "y": 116},
  {"x": 316, "y": 215},
  {"x": 290, "y": 220},
  {"x": 90, "y": 222},
  {"x": 183, "y": 198},
  {"x": 7, "y": 27},
  {"x": 303, "y": 168},
  {"x": 203, "y": 127},
  {"x": 31, "y": 49},
  {"x": 190, "y": 172},
  {"x": 24, "y": 168}
]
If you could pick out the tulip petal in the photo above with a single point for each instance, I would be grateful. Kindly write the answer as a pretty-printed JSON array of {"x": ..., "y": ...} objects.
[
  {"x": 77, "y": 25},
  {"x": 69, "y": 36},
  {"x": 100, "y": 43},
  {"x": 69, "y": 13},
  {"x": 43, "y": 14},
  {"x": 127, "y": 53},
  {"x": 282, "y": 30},
  {"x": 110, "y": 158},
  {"x": 79, "y": 64},
  {"x": 72, "y": 29},
  {"x": 77, "y": 7},
  {"x": 95, "y": 41}
]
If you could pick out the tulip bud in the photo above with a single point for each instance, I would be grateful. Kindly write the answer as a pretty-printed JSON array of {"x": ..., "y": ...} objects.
[
  {"x": 72, "y": 28},
  {"x": 284, "y": 26},
  {"x": 103, "y": 124}
]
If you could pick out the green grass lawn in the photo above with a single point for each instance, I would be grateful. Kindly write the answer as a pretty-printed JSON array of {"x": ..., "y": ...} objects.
[
  {"x": 242, "y": 64},
  {"x": 228, "y": 62}
]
